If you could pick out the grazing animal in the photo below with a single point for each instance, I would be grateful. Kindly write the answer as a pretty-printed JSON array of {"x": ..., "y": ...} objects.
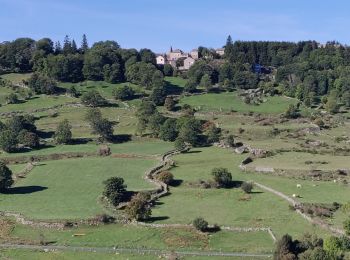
[
  {"x": 294, "y": 195},
  {"x": 298, "y": 185}
]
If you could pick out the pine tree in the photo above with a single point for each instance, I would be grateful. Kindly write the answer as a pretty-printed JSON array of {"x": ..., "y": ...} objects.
[
  {"x": 84, "y": 44},
  {"x": 58, "y": 48},
  {"x": 74, "y": 47},
  {"x": 67, "y": 45},
  {"x": 229, "y": 55}
]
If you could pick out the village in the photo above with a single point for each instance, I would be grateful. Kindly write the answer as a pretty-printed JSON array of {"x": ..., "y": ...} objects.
[{"x": 183, "y": 60}]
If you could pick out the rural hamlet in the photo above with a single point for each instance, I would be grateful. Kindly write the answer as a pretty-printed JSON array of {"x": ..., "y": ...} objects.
[{"x": 197, "y": 130}]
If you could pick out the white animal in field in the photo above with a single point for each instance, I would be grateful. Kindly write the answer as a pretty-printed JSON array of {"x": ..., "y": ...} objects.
[
  {"x": 334, "y": 181},
  {"x": 294, "y": 195},
  {"x": 298, "y": 185}
]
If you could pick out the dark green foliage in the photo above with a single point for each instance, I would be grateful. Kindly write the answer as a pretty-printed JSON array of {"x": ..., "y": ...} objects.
[
  {"x": 99, "y": 125},
  {"x": 103, "y": 62},
  {"x": 222, "y": 177},
  {"x": 144, "y": 74},
  {"x": 84, "y": 44},
  {"x": 8, "y": 141},
  {"x": 124, "y": 93},
  {"x": 292, "y": 112},
  {"x": 63, "y": 134},
  {"x": 66, "y": 68},
  {"x": 144, "y": 112},
  {"x": 168, "y": 70},
  {"x": 139, "y": 207},
  {"x": 28, "y": 139},
  {"x": 200, "y": 224},
  {"x": 285, "y": 248},
  {"x": 42, "y": 84},
  {"x": 213, "y": 134},
  {"x": 155, "y": 122},
  {"x": 5, "y": 177},
  {"x": 169, "y": 104},
  {"x": 93, "y": 99},
  {"x": 179, "y": 144},
  {"x": 115, "y": 190},
  {"x": 147, "y": 56},
  {"x": 168, "y": 131},
  {"x": 158, "y": 95},
  {"x": 189, "y": 130},
  {"x": 12, "y": 99}
]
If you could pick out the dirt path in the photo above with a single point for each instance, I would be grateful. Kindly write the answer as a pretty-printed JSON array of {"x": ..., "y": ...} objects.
[{"x": 320, "y": 223}]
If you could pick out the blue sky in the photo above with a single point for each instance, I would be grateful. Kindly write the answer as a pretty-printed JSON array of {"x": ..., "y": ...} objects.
[{"x": 157, "y": 24}]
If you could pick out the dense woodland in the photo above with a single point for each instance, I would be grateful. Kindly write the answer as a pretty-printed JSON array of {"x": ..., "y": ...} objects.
[{"x": 313, "y": 73}]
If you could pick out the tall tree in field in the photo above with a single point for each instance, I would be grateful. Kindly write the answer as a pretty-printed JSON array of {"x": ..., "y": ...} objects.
[
  {"x": 63, "y": 134},
  {"x": 58, "y": 48},
  {"x": 84, "y": 44}
]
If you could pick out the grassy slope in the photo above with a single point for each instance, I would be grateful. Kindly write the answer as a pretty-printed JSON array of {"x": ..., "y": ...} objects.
[
  {"x": 143, "y": 237},
  {"x": 264, "y": 209},
  {"x": 230, "y": 101},
  {"x": 72, "y": 187}
]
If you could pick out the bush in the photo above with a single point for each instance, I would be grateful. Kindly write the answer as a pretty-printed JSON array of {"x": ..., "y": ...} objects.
[
  {"x": 63, "y": 134},
  {"x": 28, "y": 139},
  {"x": 179, "y": 144},
  {"x": 222, "y": 177},
  {"x": 8, "y": 141},
  {"x": 346, "y": 226},
  {"x": 42, "y": 84},
  {"x": 12, "y": 99},
  {"x": 165, "y": 176},
  {"x": 5, "y": 177},
  {"x": 200, "y": 224},
  {"x": 104, "y": 150},
  {"x": 247, "y": 187},
  {"x": 139, "y": 208},
  {"x": 168, "y": 70},
  {"x": 169, "y": 104},
  {"x": 93, "y": 99},
  {"x": 124, "y": 93},
  {"x": 115, "y": 190}
]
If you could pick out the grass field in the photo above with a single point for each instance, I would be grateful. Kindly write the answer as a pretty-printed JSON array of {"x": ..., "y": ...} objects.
[
  {"x": 303, "y": 161},
  {"x": 231, "y": 102},
  {"x": 263, "y": 209},
  {"x": 141, "y": 147},
  {"x": 16, "y": 77},
  {"x": 129, "y": 236},
  {"x": 69, "y": 189}
]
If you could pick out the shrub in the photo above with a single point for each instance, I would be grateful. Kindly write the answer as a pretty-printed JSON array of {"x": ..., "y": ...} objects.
[
  {"x": 139, "y": 208},
  {"x": 42, "y": 84},
  {"x": 222, "y": 177},
  {"x": 165, "y": 176},
  {"x": 12, "y": 99},
  {"x": 5, "y": 177},
  {"x": 104, "y": 150},
  {"x": 28, "y": 139},
  {"x": 169, "y": 104},
  {"x": 200, "y": 224},
  {"x": 115, "y": 190},
  {"x": 124, "y": 93},
  {"x": 230, "y": 141},
  {"x": 8, "y": 141},
  {"x": 93, "y": 99},
  {"x": 346, "y": 226},
  {"x": 63, "y": 134},
  {"x": 179, "y": 144},
  {"x": 247, "y": 187}
]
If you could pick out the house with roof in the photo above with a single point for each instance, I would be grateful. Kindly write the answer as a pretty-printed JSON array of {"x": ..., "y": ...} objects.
[
  {"x": 220, "y": 51},
  {"x": 161, "y": 59}
]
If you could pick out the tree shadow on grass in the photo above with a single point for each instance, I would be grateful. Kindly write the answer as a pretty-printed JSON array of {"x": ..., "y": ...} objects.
[
  {"x": 176, "y": 183},
  {"x": 121, "y": 138},
  {"x": 154, "y": 219},
  {"x": 172, "y": 89},
  {"x": 25, "y": 190}
]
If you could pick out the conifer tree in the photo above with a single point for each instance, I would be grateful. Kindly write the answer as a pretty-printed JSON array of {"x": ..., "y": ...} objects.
[{"x": 84, "y": 44}]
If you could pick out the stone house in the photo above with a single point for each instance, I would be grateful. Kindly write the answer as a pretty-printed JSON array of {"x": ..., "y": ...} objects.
[
  {"x": 188, "y": 62},
  {"x": 161, "y": 59},
  {"x": 194, "y": 54},
  {"x": 220, "y": 51}
]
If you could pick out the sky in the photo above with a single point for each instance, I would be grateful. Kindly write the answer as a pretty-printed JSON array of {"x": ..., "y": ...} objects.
[{"x": 184, "y": 24}]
